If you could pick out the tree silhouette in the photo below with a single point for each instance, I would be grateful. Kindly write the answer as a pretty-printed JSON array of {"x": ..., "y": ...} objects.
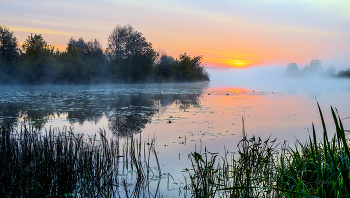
[
  {"x": 163, "y": 68},
  {"x": 127, "y": 58},
  {"x": 8, "y": 54},
  {"x": 190, "y": 69},
  {"x": 39, "y": 55},
  {"x": 315, "y": 67},
  {"x": 131, "y": 56},
  {"x": 83, "y": 61},
  {"x": 35, "y": 47},
  {"x": 292, "y": 70},
  {"x": 8, "y": 45}
]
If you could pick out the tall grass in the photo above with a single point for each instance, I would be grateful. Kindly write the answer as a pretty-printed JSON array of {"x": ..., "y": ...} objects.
[
  {"x": 230, "y": 176},
  {"x": 317, "y": 168},
  {"x": 64, "y": 164}
]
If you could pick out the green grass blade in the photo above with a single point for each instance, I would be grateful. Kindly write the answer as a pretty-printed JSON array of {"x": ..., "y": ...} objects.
[
  {"x": 312, "y": 150},
  {"x": 340, "y": 133},
  {"x": 341, "y": 136},
  {"x": 268, "y": 188},
  {"x": 315, "y": 141}
]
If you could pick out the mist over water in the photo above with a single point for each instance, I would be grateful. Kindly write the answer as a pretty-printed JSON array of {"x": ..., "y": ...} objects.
[
  {"x": 185, "y": 117},
  {"x": 272, "y": 79},
  {"x": 290, "y": 94},
  {"x": 120, "y": 107}
]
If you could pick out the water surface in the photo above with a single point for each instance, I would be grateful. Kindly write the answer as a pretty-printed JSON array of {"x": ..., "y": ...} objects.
[{"x": 183, "y": 117}]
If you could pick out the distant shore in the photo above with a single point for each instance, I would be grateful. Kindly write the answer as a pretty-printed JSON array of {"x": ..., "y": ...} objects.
[{"x": 128, "y": 58}]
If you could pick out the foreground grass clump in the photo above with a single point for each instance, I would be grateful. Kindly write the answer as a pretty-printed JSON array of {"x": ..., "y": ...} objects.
[
  {"x": 64, "y": 164},
  {"x": 311, "y": 169},
  {"x": 319, "y": 168},
  {"x": 247, "y": 175}
]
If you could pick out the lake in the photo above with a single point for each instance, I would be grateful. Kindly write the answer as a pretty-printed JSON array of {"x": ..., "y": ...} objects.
[{"x": 184, "y": 117}]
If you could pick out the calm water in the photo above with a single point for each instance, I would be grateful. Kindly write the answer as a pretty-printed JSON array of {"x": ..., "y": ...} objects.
[{"x": 183, "y": 117}]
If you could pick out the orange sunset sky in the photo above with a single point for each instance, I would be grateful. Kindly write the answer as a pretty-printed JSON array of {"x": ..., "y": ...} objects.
[{"x": 227, "y": 33}]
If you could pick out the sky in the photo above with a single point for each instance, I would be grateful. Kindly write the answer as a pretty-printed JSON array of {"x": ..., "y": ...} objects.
[{"x": 227, "y": 33}]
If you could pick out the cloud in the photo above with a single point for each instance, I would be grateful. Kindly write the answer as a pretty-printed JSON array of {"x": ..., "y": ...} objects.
[
  {"x": 39, "y": 31},
  {"x": 226, "y": 31}
]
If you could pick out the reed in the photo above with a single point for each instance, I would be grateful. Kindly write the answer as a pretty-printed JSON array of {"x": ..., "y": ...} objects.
[
  {"x": 64, "y": 164},
  {"x": 319, "y": 168},
  {"x": 247, "y": 175},
  {"x": 262, "y": 169}
]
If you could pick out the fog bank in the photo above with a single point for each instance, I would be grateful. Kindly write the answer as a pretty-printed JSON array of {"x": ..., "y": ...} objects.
[{"x": 272, "y": 79}]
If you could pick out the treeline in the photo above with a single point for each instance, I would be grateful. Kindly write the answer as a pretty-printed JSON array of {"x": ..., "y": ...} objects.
[
  {"x": 315, "y": 69},
  {"x": 127, "y": 58}
]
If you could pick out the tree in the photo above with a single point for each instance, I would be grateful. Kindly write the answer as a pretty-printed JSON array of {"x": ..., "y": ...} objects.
[
  {"x": 131, "y": 56},
  {"x": 292, "y": 70},
  {"x": 330, "y": 71},
  {"x": 35, "y": 47},
  {"x": 93, "y": 59},
  {"x": 190, "y": 69},
  {"x": 82, "y": 60},
  {"x": 8, "y": 45},
  {"x": 344, "y": 73},
  {"x": 40, "y": 58},
  {"x": 8, "y": 54},
  {"x": 315, "y": 67},
  {"x": 163, "y": 67}
]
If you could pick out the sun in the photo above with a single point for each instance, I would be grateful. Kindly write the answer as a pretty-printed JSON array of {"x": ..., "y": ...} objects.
[
  {"x": 230, "y": 62},
  {"x": 238, "y": 63}
]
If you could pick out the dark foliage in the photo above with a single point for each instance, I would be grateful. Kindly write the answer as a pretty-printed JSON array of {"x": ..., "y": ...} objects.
[
  {"x": 187, "y": 69},
  {"x": 64, "y": 164},
  {"x": 39, "y": 57},
  {"x": 83, "y": 61},
  {"x": 8, "y": 52},
  {"x": 344, "y": 73},
  {"x": 8, "y": 45},
  {"x": 190, "y": 69},
  {"x": 127, "y": 58},
  {"x": 130, "y": 54}
]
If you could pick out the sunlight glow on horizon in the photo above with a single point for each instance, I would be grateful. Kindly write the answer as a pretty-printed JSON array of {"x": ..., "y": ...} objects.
[{"x": 226, "y": 34}]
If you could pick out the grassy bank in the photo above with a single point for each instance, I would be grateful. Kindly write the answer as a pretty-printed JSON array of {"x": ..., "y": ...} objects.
[{"x": 317, "y": 168}]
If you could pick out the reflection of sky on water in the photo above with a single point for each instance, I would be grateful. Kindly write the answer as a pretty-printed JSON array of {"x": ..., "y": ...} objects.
[
  {"x": 183, "y": 117},
  {"x": 127, "y": 108}
]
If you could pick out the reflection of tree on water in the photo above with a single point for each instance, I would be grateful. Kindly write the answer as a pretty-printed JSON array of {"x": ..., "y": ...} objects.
[
  {"x": 84, "y": 108},
  {"x": 128, "y": 123},
  {"x": 183, "y": 101},
  {"x": 38, "y": 115},
  {"x": 137, "y": 110},
  {"x": 130, "y": 114},
  {"x": 185, "y": 104},
  {"x": 127, "y": 111},
  {"x": 9, "y": 112}
]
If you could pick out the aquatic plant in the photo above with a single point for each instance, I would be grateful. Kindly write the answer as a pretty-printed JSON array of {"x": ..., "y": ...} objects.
[
  {"x": 64, "y": 164},
  {"x": 245, "y": 176},
  {"x": 311, "y": 169},
  {"x": 319, "y": 168}
]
